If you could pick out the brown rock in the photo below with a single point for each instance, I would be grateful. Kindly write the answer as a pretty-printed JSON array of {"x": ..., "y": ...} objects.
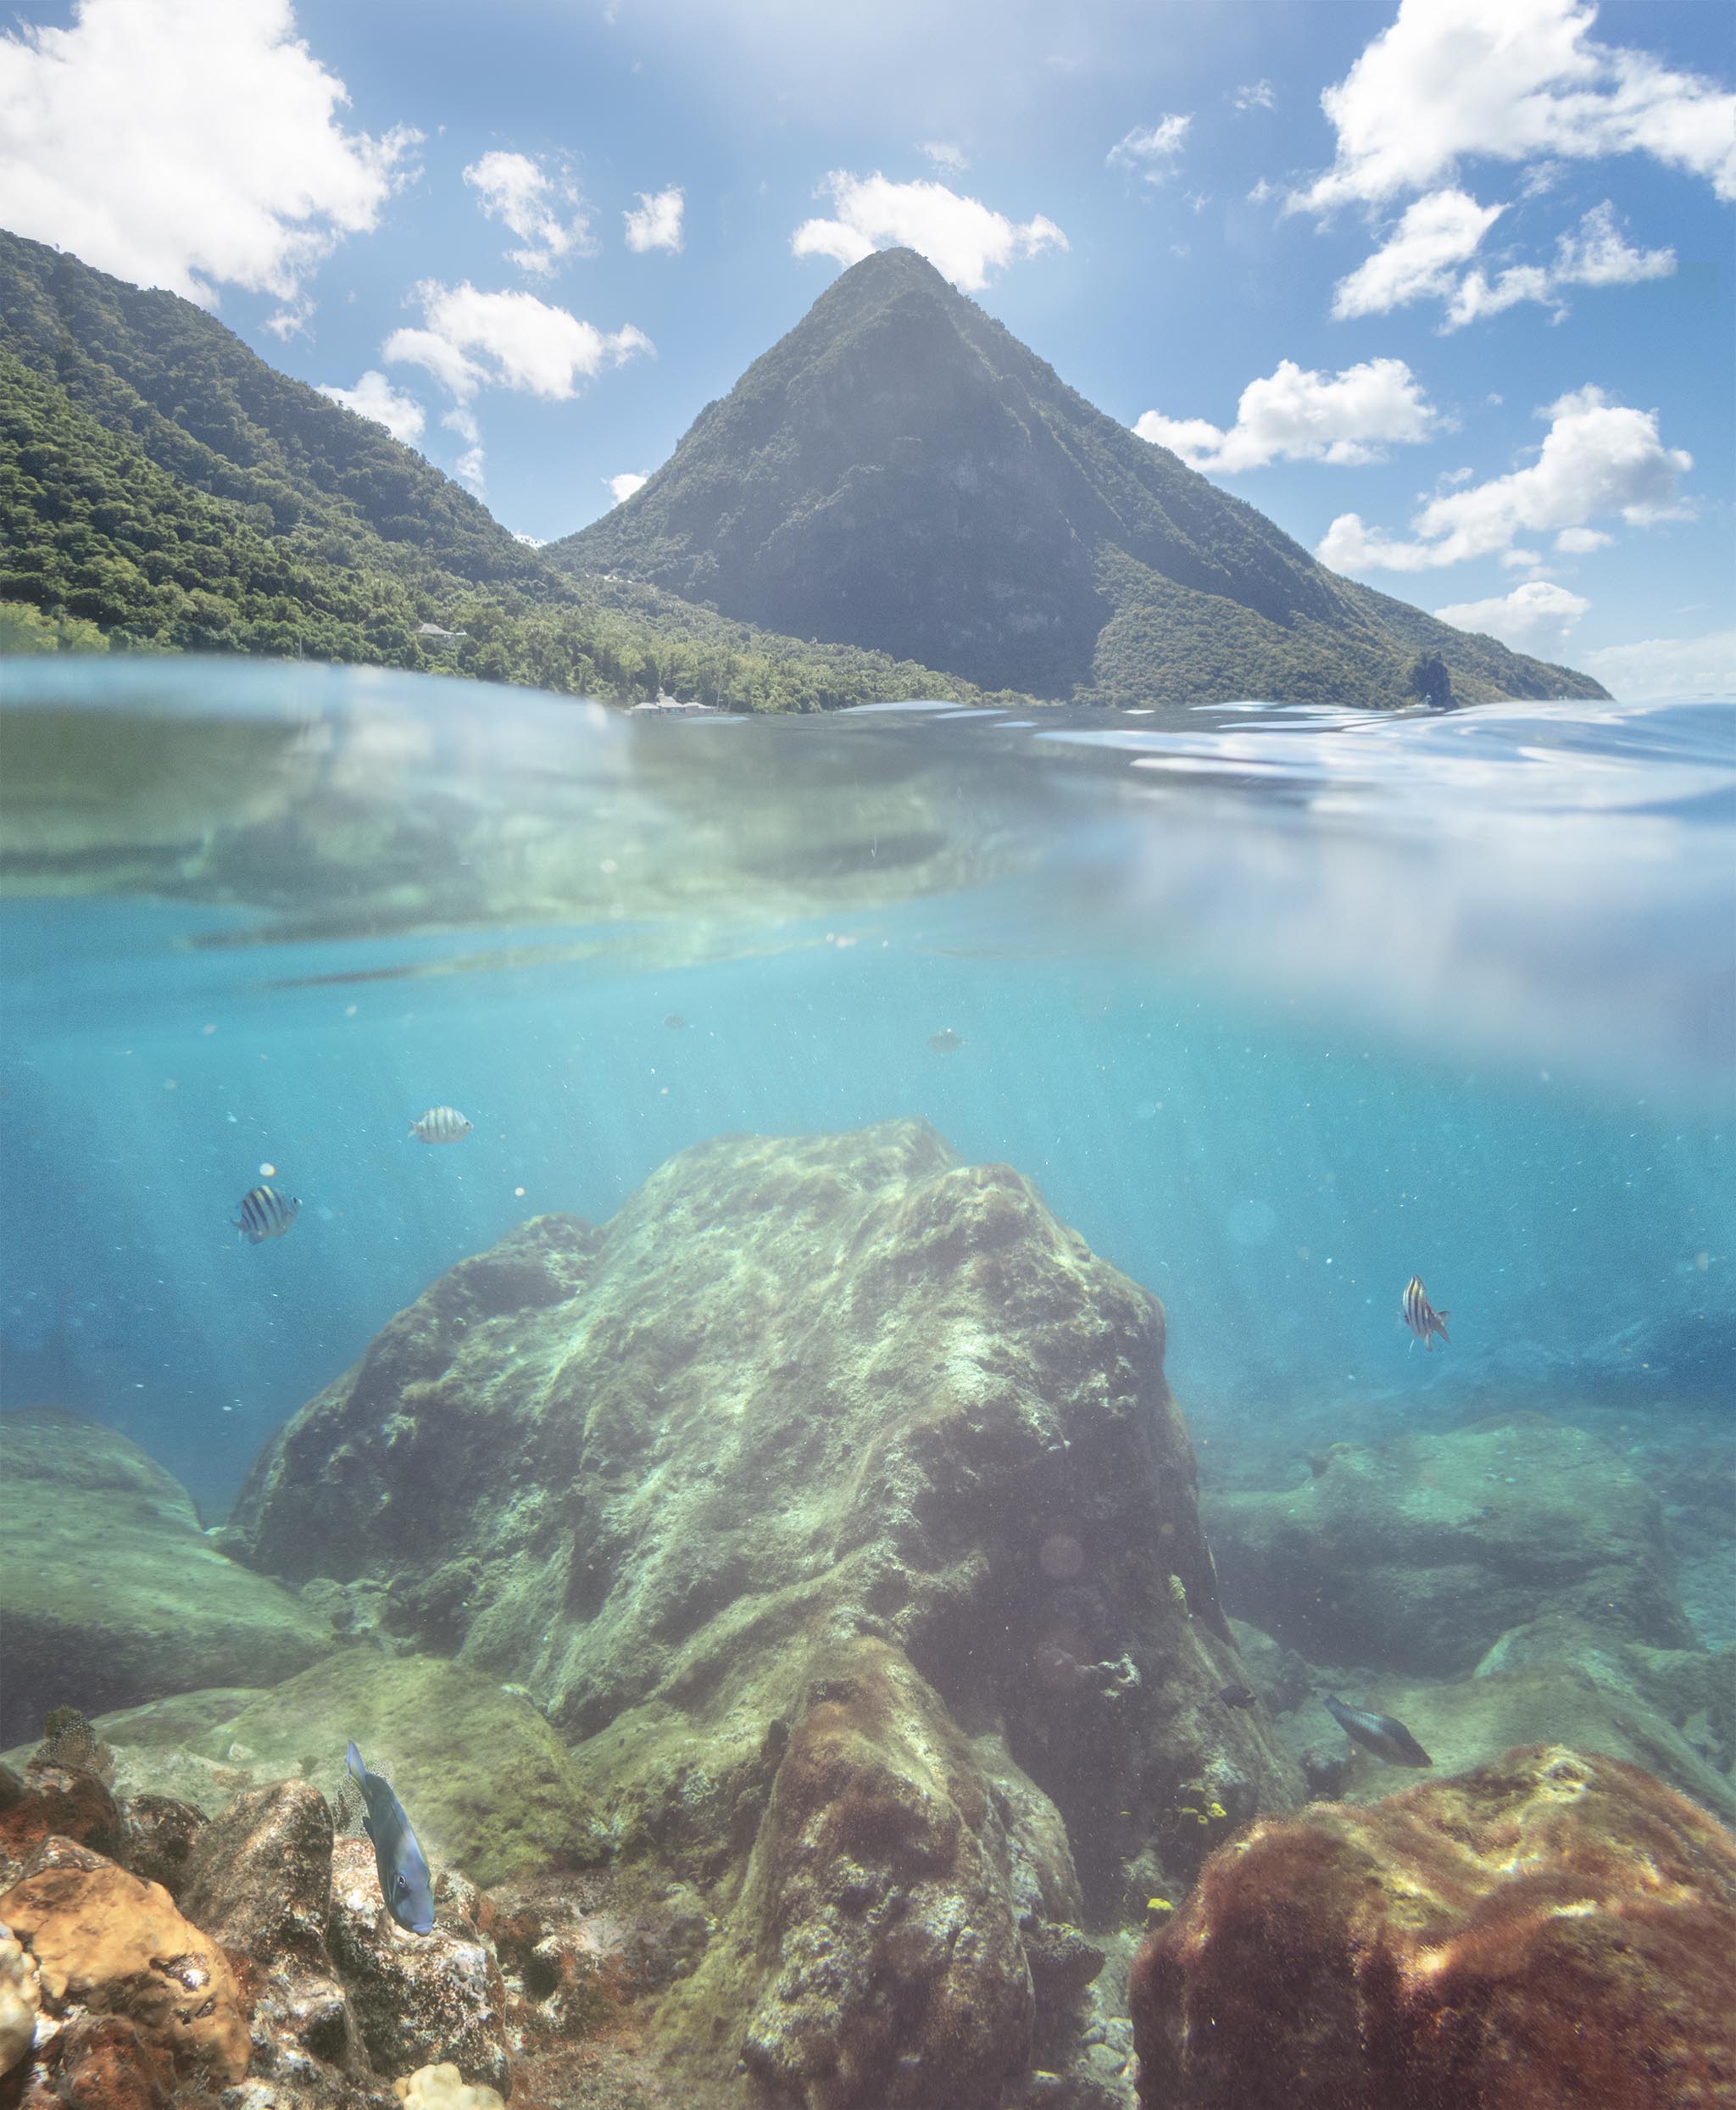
[
  {"x": 50, "y": 1802},
  {"x": 420, "y": 2000},
  {"x": 160, "y": 1837},
  {"x": 1552, "y": 1932},
  {"x": 110, "y": 1945}
]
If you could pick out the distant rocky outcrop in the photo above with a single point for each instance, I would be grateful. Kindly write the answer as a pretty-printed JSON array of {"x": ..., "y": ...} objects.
[
  {"x": 831, "y": 1500},
  {"x": 111, "y": 1592},
  {"x": 900, "y": 472},
  {"x": 1552, "y": 1929}
]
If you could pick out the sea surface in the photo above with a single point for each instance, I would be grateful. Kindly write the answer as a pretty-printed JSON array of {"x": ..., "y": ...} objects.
[{"x": 1279, "y": 1006}]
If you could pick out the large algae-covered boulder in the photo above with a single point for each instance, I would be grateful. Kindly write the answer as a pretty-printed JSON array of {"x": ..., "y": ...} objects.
[
  {"x": 803, "y": 1396},
  {"x": 1553, "y": 1932},
  {"x": 112, "y": 1593},
  {"x": 1418, "y": 1556}
]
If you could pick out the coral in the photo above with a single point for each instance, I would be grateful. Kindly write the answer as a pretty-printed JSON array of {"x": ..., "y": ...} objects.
[
  {"x": 113, "y": 1593},
  {"x": 1551, "y": 1932},
  {"x": 443, "y": 2088},
  {"x": 1418, "y": 1556},
  {"x": 21, "y": 2001},
  {"x": 112, "y": 1950},
  {"x": 419, "y": 1999}
]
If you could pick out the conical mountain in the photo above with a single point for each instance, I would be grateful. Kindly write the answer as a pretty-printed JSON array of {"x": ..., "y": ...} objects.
[{"x": 900, "y": 472}]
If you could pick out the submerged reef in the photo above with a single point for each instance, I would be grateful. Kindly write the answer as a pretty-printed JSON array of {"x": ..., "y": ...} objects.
[
  {"x": 1552, "y": 1932},
  {"x": 113, "y": 1593},
  {"x": 831, "y": 1462},
  {"x": 1419, "y": 1555}
]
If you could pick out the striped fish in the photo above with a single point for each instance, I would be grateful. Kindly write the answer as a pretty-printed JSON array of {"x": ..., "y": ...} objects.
[
  {"x": 1420, "y": 1316},
  {"x": 399, "y": 1861},
  {"x": 440, "y": 1124},
  {"x": 265, "y": 1214}
]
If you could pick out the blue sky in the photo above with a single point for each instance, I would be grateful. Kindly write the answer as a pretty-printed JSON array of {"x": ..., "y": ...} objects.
[{"x": 1465, "y": 326}]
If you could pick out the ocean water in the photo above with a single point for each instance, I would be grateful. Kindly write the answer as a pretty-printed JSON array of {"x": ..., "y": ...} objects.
[{"x": 1276, "y": 1006}]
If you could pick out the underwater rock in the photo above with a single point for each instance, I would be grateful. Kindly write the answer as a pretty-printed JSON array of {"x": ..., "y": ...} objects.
[
  {"x": 131, "y": 1981},
  {"x": 21, "y": 2001},
  {"x": 420, "y": 2000},
  {"x": 113, "y": 1593},
  {"x": 829, "y": 1382},
  {"x": 160, "y": 1833},
  {"x": 1418, "y": 1556},
  {"x": 50, "y": 1802},
  {"x": 1551, "y": 1930},
  {"x": 489, "y": 1786}
]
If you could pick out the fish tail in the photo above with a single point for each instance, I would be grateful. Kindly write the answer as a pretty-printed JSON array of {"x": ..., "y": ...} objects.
[
  {"x": 1444, "y": 1316},
  {"x": 352, "y": 1760}
]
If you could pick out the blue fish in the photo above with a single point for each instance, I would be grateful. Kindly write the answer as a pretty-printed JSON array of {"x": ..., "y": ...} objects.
[
  {"x": 402, "y": 1870},
  {"x": 1386, "y": 1738}
]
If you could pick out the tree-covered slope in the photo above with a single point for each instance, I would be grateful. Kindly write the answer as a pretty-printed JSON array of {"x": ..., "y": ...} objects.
[
  {"x": 900, "y": 471},
  {"x": 159, "y": 479}
]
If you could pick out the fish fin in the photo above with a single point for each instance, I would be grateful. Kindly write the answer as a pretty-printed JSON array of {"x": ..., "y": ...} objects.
[
  {"x": 1429, "y": 1345},
  {"x": 352, "y": 1762},
  {"x": 1444, "y": 1316}
]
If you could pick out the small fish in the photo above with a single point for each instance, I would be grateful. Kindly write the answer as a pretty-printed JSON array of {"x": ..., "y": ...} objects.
[
  {"x": 265, "y": 1214},
  {"x": 1238, "y": 1696},
  {"x": 945, "y": 1041},
  {"x": 676, "y": 1022},
  {"x": 442, "y": 1124},
  {"x": 1387, "y": 1739},
  {"x": 1420, "y": 1316},
  {"x": 397, "y": 1859}
]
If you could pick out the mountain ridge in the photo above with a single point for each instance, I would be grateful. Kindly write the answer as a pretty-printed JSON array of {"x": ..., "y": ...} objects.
[{"x": 899, "y": 469}]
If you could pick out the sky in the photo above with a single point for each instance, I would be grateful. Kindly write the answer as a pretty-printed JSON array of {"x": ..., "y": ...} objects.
[{"x": 1444, "y": 288}]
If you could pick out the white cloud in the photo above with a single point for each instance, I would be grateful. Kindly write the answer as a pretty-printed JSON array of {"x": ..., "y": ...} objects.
[
  {"x": 624, "y": 485},
  {"x": 1535, "y": 617},
  {"x": 959, "y": 235},
  {"x": 657, "y": 224},
  {"x": 1262, "y": 191},
  {"x": 510, "y": 340},
  {"x": 1260, "y": 95},
  {"x": 945, "y": 155},
  {"x": 1596, "y": 253},
  {"x": 1580, "y": 542},
  {"x": 1598, "y": 458},
  {"x": 1151, "y": 154},
  {"x": 1297, "y": 415},
  {"x": 186, "y": 143},
  {"x": 1517, "y": 81},
  {"x": 1419, "y": 258},
  {"x": 541, "y": 207},
  {"x": 1521, "y": 559},
  {"x": 1667, "y": 666},
  {"x": 374, "y": 396}
]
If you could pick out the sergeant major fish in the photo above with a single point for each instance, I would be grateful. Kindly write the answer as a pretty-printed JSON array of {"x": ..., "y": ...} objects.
[
  {"x": 1387, "y": 1739},
  {"x": 397, "y": 1859},
  {"x": 440, "y": 1124},
  {"x": 265, "y": 1214},
  {"x": 1420, "y": 1316}
]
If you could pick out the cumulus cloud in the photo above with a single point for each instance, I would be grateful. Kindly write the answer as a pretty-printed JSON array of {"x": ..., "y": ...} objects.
[
  {"x": 541, "y": 206},
  {"x": 1580, "y": 542},
  {"x": 1518, "y": 81},
  {"x": 1259, "y": 95},
  {"x": 1438, "y": 233},
  {"x": 189, "y": 144},
  {"x": 1598, "y": 458},
  {"x": 1535, "y": 617},
  {"x": 624, "y": 485},
  {"x": 1151, "y": 153},
  {"x": 961, "y": 237},
  {"x": 374, "y": 396},
  {"x": 509, "y": 340},
  {"x": 1420, "y": 258},
  {"x": 1657, "y": 667},
  {"x": 1297, "y": 414},
  {"x": 657, "y": 222}
]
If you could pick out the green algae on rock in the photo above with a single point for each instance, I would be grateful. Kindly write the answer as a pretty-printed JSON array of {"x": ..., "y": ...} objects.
[
  {"x": 1418, "y": 1556},
  {"x": 807, "y": 1402},
  {"x": 1552, "y": 1932},
  {"x": 113, "y": 1593}
]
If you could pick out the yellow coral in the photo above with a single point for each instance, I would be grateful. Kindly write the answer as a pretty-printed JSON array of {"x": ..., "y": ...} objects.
[{"x": 443, "y": 2088}]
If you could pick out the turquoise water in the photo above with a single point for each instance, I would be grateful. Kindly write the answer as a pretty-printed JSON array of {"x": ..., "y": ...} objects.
[{"x": 1278, "y": 1008}]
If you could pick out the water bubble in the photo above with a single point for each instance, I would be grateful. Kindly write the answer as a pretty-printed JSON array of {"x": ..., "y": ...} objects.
[
  {"x": 267, "y": 1171},
  {"x": 520, "y": 1192},
  {"x": 1252, "y": 1222}
]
